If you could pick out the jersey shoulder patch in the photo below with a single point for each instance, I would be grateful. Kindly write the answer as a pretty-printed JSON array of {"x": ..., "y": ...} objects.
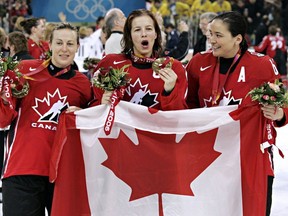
[{"x": 256, "y": 53}]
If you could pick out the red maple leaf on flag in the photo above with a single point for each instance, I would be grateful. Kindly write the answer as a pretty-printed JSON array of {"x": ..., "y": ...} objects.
[{"x": 158, "y": 164}]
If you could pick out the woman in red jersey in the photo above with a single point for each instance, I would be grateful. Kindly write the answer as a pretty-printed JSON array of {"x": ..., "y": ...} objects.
[
  {"x": 225, "y": 74},
  {"x": 54, "y": 86},
  {"x": 141, "y": 43},
  {"x": 35, "y": 28}
]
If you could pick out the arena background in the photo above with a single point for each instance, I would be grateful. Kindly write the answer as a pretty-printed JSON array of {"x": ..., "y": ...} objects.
[{"x": 81, "y": 10}]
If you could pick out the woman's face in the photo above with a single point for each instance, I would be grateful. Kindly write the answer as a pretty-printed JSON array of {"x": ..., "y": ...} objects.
[
  {"x": 143, "y": 36},
  {"x": 63, "y": 46},
  {"x": 223, "y": 43},
  {"x": 40, "y": 29}
]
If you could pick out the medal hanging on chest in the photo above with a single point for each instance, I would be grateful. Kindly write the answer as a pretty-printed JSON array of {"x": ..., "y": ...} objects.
[{"x": 219, "y": 83}]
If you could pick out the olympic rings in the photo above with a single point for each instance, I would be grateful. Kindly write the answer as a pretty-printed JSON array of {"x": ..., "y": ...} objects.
[{"x": 82, "y": 9}]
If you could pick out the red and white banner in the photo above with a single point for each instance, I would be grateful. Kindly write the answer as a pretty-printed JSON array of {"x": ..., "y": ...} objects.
[{"x": 174, "y": 163}]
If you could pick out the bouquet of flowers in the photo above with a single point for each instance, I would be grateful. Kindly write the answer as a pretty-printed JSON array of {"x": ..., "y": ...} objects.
[
  {"x": 110, "y": 78},
  {"x": 270, "y": 94},
  {"x": 90, "y": 63},
  {"x": 11, "y": 76}
]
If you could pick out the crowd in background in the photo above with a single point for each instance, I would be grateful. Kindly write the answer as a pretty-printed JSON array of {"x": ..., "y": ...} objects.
[
  {"x": 12, "y": 11},
  {"x": 183, "y": 25},
  {"x": 260, "y": 14}
]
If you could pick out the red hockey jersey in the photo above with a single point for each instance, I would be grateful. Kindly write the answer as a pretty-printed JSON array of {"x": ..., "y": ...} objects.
[
  {"x": 269, "y": 45},
  {"x": 146, "y": 87},
  {"x": 252, "y": 70},
  {"x": 32, "y": 132},
  {"x": 38, "y": 51}
]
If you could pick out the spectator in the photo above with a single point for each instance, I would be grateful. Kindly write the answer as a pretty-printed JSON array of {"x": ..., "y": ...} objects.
[
  {"x": 181, "y": 48},
  {"x": 200, "y": 6},
  {"x": 19, "y": 8},
  {"x": 99, "y": 23},
  {"x": 97, "y": 41},
  {"x": 3, "y": 11},
  {"x": 48, "y": 31},
  {"x": 162, "y": 8},
  {"x": 221, "y": 6},
  {"x": 17, "y": 25},
  {"x": 262, "y": 29},
  {"x": 203, "y": 44},
  {"x": 172, "y": 37},
  {"x": 85, "y": 49},
  {"x": 114, "y": 24}
]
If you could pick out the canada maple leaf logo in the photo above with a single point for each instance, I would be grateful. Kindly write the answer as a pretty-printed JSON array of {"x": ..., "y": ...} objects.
[
  {"x": 140, "y": 94},
  {"x": 227, "y": 99},
  {"x": 158, "y": 164},
  {"x": 49, "y": 108}
]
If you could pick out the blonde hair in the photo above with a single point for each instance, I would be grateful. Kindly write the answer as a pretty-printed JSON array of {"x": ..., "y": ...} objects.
[
  {"x": 48, "y": 31},
  {"x": 17, "y": 23}
]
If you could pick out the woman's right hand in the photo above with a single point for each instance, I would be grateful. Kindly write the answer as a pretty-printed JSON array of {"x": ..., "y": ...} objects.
[{"x": 106, "y": 97}]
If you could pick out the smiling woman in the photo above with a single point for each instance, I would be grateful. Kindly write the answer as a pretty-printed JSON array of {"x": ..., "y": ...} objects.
[
  {"x": 141, "y": 43},
  {"x": 54, "y": 86},
  {"x": 226, "y": 74}
]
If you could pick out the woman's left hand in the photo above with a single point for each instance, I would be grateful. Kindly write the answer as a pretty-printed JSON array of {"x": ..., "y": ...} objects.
[
  {"x": 273, "y": 112},
  {"x": 169, "y": 77}
]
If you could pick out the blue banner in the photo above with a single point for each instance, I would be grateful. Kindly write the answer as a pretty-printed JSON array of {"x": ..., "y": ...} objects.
[{"x": 81, "y": 10}]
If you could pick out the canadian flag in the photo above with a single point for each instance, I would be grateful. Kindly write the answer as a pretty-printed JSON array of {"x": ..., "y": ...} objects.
[{"x": 174, "y": 163}]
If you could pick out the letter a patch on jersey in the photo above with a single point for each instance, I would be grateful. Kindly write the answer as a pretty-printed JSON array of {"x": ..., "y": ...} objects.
[{"x": 242, "y": 75}]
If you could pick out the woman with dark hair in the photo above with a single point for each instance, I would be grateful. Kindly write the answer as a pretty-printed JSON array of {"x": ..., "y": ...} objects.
[
  {"x": 17, "y": 44},
  {"x": 142, "y": 45},
  {"x": 225, "y": 74},
  {"x": 35, "y": 28}
]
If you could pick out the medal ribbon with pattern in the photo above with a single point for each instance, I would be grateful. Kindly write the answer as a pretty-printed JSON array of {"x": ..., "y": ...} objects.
[
  {"x": 218, "y": 83},
  {"x": 42, "y": 67}
]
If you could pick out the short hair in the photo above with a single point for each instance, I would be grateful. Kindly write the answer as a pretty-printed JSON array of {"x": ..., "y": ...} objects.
[
  {"x": 110, "y": 18},
  {"x": 83, "y": 32},
  {"x": 48, "y": 31},
  {"x": 208, "y": 15},
  {"x": 98, "y": 20},
  {"x": 19, "y": 41},
  {"x": 273, "y": 29},
  {"x": 64, "y": 26}
]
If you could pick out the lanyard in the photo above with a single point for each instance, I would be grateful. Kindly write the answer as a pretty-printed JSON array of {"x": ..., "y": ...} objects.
[
  {"x": 218, "y": 83},
  {"x": 42, "y": 67}
]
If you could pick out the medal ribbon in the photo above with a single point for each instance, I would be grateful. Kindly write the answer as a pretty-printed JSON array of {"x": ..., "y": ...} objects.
[
  {"x": 42, "y": 67},
  {"x": 141, "y": 60},
  {"x": 218, "y": 83},
  {"x": 115, "y": 99}
]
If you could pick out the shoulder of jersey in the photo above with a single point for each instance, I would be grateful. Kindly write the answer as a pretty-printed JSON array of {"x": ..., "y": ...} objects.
[
  {"x": 31, "y": 43},
  {"x": 115, "y": 59},
  {"x": 29, "y": 65},
  {"x": 206, "y": 52},
  {"x": 253, "y": 53}
]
